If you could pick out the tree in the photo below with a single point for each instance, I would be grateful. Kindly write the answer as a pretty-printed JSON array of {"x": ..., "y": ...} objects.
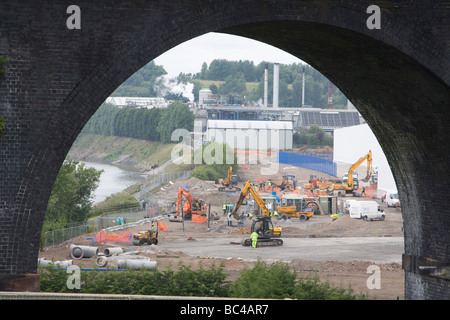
[
  {"x": 202, "y": 74},
  {"x": 176, "y": 116},
  {"x": 71, "y": 197},
  {"x": 216, "y": 160},
  {"x": 233, "y": 85}
]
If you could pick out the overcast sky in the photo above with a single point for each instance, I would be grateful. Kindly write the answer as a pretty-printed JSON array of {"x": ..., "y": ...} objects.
[{"x": 189, "y": 56}]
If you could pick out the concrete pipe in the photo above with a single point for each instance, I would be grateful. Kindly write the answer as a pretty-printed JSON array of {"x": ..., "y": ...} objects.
[
  {"x": 101, "y": 261},
  {"x": 137, "y": 264},
  {"x": 110, "y": 251},
  {"x": 78, "y": 252},
  {"x": 63, "y": 264}
]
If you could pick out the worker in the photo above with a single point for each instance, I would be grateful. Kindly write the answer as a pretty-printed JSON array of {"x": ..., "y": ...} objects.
[
  {"x": 254, "y": 238},
  {"x": 250, "y": 216},
  {"x": 363, "y": 192},
  {"x": 153, "y": 230},
  {"x": 275, "y": 213},
  {"x": 224, "y": 208},
  {"x": 229, "y": 222}
]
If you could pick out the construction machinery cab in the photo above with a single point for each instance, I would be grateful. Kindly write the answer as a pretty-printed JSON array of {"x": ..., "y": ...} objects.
[
  {"x": 190, "y": 205},
  {"x": 147, "y": 237},
  {"x": 268, "y": 235},
  {"x": 229, "y": 183}
]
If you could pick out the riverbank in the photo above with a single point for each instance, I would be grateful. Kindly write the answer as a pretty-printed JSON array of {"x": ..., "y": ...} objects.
[{"x": 133, "y": 154}]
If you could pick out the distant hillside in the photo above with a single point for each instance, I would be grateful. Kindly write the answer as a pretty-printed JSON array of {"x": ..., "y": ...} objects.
[{"x": 240, "y": 78}]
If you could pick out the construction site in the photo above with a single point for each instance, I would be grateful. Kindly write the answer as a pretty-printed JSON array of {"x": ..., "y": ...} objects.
[{"x": 302, "y": 217}]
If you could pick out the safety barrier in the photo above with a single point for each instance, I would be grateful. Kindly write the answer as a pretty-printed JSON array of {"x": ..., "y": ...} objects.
[
  {"x": 309, "y": 161},
  {"x": 199, "y": 219}
]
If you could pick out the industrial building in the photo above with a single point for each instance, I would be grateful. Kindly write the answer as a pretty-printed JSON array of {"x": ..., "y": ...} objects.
[
  {"x": 140, "y": 102},
  {"x": 251, "y": 134}
]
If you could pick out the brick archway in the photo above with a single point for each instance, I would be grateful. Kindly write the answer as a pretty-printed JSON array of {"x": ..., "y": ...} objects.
[{"x": 56, "y": 78}]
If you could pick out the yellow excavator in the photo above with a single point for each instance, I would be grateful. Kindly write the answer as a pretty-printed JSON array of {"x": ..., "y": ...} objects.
[
  {"x": 268, "y": 235},
  {"x": 229, "y": 183},
  {"x": 349, "y": 184}
]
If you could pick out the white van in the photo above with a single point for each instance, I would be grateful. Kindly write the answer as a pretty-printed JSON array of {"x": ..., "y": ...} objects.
[
  {"x": 367, "y": 210},
  {"x": 348, "y": 204},
  {"x": 392, "y": 199}
]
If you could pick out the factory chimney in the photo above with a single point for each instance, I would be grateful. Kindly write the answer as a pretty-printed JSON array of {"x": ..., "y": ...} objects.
[
  {"x": 303, "y": 87},
  {"x": 330, "y": 95},
  {"x": 276, "y": 79},
  {"x": 266, "y": 85}
]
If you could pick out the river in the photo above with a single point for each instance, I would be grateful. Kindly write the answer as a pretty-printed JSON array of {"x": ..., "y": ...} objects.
[{"x": 114, "y": 179}]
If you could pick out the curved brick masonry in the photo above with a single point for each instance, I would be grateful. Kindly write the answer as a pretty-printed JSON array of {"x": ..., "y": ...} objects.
[{"x": 398, "y": 76}]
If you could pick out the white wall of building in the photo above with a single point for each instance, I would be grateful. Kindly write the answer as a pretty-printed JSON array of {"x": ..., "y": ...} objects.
[
  {"x": 352, "y": 143},
  {"x": 251, "y": 135}
]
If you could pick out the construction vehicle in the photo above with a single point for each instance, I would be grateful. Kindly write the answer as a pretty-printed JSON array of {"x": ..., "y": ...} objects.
[
  {"x": 296, "y": 206},
  {"x": 191, "y": 205},
  {"x": 230, "y": 182},
  {"x": 268, "y": 235},
  {"x": 287, "y": 181},
  {"x": 147, "y": 237},
  {"x": 349, "y": 183}
]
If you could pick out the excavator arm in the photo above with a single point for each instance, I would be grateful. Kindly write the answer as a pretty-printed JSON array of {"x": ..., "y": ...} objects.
[
  {"x": 245, "y": 191},
  {"x": 228, "y": 180},
  {"x": 367, "y": 157},
  {"x": 183, "y": 192}
]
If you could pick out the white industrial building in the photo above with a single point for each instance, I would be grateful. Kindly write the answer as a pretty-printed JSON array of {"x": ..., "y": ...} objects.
[
  {"x": 352, "y": 143},
  {"x": 139, "y": 102},
  {"x": 251, "y": 134}
]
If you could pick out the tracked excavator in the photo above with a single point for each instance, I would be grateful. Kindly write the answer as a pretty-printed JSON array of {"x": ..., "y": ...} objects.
[
  {"x": 191, "y": 205},
  {"x": 349, "y": 183},
  {"x": 229, "y": 184},
  {"x": 268, "y": 235}
]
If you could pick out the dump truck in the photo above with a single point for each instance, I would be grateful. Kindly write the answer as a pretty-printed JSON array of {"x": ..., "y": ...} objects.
[{"x": 296, "y": 206}]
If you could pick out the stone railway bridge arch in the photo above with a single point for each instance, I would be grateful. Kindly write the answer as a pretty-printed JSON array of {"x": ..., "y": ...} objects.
[{"x": 397, "y": 76}]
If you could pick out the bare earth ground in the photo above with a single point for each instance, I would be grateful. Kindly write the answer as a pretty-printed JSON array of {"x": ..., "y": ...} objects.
[{"x": 340, "y": 273}]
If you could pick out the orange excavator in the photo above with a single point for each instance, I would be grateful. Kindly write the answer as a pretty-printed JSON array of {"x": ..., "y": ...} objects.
[{"x": 189, "y": 205}]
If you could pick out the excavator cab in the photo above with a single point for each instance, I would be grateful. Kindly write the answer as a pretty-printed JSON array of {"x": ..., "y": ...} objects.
[{"x": 263, "y": 226}]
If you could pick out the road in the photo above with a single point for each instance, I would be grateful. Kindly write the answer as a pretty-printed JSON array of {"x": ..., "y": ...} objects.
[{"x": 371, "y": 249}]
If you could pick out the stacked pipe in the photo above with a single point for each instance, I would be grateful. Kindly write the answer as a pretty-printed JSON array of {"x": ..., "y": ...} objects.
[{"x": 78, "y": 252}]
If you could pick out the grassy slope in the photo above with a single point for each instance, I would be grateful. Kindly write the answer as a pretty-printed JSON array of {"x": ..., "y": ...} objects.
[{"x": 128, "y": 151}]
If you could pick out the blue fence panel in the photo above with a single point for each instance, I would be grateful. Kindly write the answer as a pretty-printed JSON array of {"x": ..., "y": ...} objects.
[{"x": 309, "y": 162}]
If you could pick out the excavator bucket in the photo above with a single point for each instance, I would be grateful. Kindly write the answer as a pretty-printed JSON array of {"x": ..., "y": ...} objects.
[{"x": 366, "y": 179}]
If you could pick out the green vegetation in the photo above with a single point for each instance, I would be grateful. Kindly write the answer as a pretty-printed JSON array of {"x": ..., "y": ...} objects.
[
  {"x": 115, "y": 202},
  {"x": 239, "y": 78},
  {"x": 140, "y": 123},
  {"x": 214, "y": 162},
  {"x": 277, "y": 281},
  {"x": 141, "y": 83},
  {"x": 262, "y": 281},
  {"x": 111, "y": 148},
  {"x": 71, "y": 197},
  {"x": 315, "y": 136},
  {"x": 176, "y": 116}
]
